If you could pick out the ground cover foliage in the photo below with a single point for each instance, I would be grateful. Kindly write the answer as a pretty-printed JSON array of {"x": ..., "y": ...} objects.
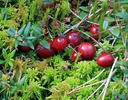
[{"x": 24, "y": 75}]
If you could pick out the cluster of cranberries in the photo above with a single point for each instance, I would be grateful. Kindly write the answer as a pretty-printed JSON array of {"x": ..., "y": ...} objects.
[{"x": 86, "y": 49}]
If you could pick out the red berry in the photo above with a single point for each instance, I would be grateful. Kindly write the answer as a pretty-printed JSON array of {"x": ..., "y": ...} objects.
[
  {"x": 45, "y": 53},
  {"x": 73, "y": 38},
  {"x": 94, "y": 29},
  {"x": 74, "y": 56},
  {"x": 105, "y": 60},
  {"x": 24, "y": 48},
  {"x": 47, "y": 5},
  {"x": 59, "y": 43},
  {"x": 56, "y": 1},
  {"x": 87, "y": 50}
]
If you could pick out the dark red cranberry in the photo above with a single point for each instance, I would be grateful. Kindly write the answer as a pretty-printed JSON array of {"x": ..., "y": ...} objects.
[
  {"x": 73, "y": 38},
  {"x": 94, "y": 29},
  {"x": 87, "y": 50},
  {"x": 105, "y": 60},
  {"x": 45, "y": 53},
  {"x": 74, "y": 56},
  {"x": 59, "y": 43},
  {"x": 24, "y": 48}
]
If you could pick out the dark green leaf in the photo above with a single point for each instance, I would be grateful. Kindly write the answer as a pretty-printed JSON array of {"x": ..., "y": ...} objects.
[
  {"x": 2, "y": 62},
  {"x": 37, "y": 29},
  {"x": 10, "y": 33},
  {"x": 82, "y": 14},
  {"x": 123, "y": 2},
  {"x": 21, "y": 30},
  {"x": 12, "y": 29},
  {"x": 109, "y": 19},
  {"x": 123, "y": 63},
  {"x": 12, "y": 82},
  {"x": 21, "y": 82},
  {"x": 10, "y": 63},
  {"x": 46, "y": 2},
  {"x": 16, "y": 43},
  {"x": 30, "y": 38},
  {"x": 27, "y": 29},
  {"x": 4, "y": 53},
  {"x": 13, "y": 90},
  {"x": 12, "y": 53},
  {"x": 105, "y": 25},
  {"x": 0, "y": 74},
  {"x": 127, "y": 45},
  {"x": 126, "y": 72},
  {"x": 30, "y": 44},
  {"x": 115, "y": 32},
  {"x": 84, "y": 9},
  {"x": 45, "y": 44},
  {"x": 19, "y": 38}
]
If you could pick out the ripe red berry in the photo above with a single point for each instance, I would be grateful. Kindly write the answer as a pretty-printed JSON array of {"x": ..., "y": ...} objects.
[
  {"x": 59, "y": 43},
  {"x": 24, "y": 48},
  {"x": 45, "y": 53},
  {"x": 73, "y": 38},
  {"x": 94, "y": 29},
  {"x": 47, "y": 5},
  {"x": 105, "y": 60},
  {"x": 74, "y": 56},
  {"x": 87, "y": 50}
]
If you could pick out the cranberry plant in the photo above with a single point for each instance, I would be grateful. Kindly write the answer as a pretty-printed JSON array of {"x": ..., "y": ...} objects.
[{"x": 63, "y": 49}]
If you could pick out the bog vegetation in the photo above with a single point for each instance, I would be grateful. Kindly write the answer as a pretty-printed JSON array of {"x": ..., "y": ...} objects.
[{"x": 63, "y": 49}]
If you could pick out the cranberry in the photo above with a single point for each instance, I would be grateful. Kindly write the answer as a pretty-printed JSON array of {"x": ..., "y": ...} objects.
[
  {"x": 45, "y": 53},
  {"x": 73, "y": 38},
  {"x": 87, "y": 50},
  {"x": 24, "y": 48},
  {"x": 47, "y": 5},
  {"x": 94, "y": 29},
  {"x": 59, "y": 43},
  {"x": 74, "y": 56},
  {"x": 105, "y": 60}
]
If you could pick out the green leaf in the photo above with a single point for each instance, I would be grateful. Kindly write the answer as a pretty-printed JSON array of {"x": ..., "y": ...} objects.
[
  {"x": 12, "y": 29},
  {"x": 0, "y": 74},
  {"x": 4, "y": 53},
  {"x": 82, "y": 14},
  {"x": 127, "y": 45},
  {"x": 27, "y": 29},
  {"x": 123, "y": 63},
  {"x": 12, "y": 53},
  {"x": 21, "y": 30},
  {"x": 21, "y": 82},
  {"x": 123, "y": 2},
  {"x": 109, "y": 19},
  {"x": 10, "y": 63},
  {"x": 126, "y": 72},
  {"x": 2, "y": 62},
  {"x": 105, "y": 25},
  {"x": 45, "y": 44},
  {"x": 115, "y": 32},
  {"x": 16, "y": 43},
  {"x": 1, "y": 43},
  {"x": 30, "y": 38},
  {"x": 37, "y": 29},
  {"x": 46, "y": 2},
  {"x": 19, "y": 38},
  {"x": 10, "y": 33},
  {"x": 84, "y": 9},
  {"x": 13, "y": 90},
  {"x": 30, "y": 44},
  {"x": 12, "y": 82}
]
